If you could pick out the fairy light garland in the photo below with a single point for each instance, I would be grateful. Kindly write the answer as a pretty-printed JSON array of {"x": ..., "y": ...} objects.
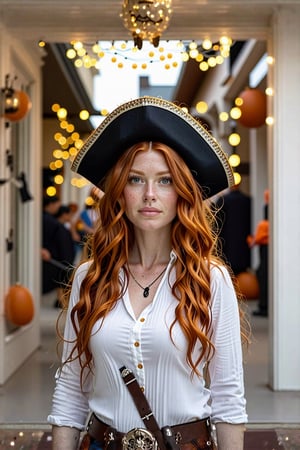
[{"x": 170, "y": 54}]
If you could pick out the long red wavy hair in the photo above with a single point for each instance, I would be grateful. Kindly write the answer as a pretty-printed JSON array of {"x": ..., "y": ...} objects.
[{"x": 192, "y": 240}]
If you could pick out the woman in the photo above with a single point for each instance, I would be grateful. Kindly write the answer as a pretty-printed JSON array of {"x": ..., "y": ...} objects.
[{"x": 153, "y": 298}]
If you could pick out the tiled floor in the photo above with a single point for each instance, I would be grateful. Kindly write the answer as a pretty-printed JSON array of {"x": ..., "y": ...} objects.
[
  {"x": 26, "y": 397},
  {"x": 265, "y": 405}
]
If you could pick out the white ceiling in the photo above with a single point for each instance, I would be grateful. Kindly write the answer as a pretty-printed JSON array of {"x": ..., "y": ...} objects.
[
  {"x": 60, "y": 21},
  {"x": 91, "y": 20}
]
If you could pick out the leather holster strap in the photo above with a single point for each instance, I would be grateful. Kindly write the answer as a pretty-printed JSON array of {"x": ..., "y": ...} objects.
[
  {"x": 139, "y": 399},
  {"x": 184, "y": 433},
  {"x": 142, "y": 405}
]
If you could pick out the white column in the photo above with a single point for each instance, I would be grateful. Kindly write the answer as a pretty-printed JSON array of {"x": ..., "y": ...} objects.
[
  {"x": 4, "y": 204},
  {"x": 284, "y": 158}
]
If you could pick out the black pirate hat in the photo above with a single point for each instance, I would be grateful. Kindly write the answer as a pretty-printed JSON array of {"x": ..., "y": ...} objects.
[{"x": 157, "y": 120}]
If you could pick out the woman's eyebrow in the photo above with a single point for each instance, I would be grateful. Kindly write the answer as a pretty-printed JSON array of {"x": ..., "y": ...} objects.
[{"x": 140, "y": 172}]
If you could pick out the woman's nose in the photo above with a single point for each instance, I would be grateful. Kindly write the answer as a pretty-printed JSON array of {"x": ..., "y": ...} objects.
[{"x": 149, "y": 194}]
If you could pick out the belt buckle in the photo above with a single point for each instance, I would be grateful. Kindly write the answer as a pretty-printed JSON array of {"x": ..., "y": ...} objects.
[{"x": 139, "y": 439}]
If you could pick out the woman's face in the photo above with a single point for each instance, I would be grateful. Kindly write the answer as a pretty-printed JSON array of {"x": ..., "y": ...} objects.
[{"x": 150, "y": 196}]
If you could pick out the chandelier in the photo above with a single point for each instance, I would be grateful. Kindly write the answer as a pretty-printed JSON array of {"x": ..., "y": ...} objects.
[{"x": 146, "y": 20}]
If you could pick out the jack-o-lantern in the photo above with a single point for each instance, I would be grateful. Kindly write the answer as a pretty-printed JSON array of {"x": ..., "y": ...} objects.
[
  {"x": 23, "y": 108},
  {"x": 247, "y": 285},
  {"x": 253, "y": 108},
  {"x": 19, "y": 306}
]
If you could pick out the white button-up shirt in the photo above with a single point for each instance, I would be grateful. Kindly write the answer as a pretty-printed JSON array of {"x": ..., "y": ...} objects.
[{"x": 143, "y": 345}]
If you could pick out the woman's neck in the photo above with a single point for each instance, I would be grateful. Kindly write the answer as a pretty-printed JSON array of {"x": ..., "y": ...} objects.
[{"x": 150, "y": 249}]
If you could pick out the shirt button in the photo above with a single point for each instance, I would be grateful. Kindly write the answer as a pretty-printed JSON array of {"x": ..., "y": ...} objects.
[
  {"x": 142, "y": 319},
  {"x": 136, "y": 344},
  {"x": 140, "y": 366},
  {"x": 142, "y": 388}
]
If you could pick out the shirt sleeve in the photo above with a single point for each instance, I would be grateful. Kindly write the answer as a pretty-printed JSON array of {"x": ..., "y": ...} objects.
[
  {"x": 226, "y": 366},
  {"x": 70, "y": 402}
]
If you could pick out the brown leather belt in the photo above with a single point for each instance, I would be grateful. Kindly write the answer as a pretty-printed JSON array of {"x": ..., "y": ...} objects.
[{"x": 197, "y": 433}]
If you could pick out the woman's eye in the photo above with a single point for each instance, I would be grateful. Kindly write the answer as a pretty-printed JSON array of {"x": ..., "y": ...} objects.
[
  {"x": 166, "y": 180},
  {"x": 133, "y": 179}
]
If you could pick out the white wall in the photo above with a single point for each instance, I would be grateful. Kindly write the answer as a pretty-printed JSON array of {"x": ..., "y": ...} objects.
[{"x": 17, "y": 345}]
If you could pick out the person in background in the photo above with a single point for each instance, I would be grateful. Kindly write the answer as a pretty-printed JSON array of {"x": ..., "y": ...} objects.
[
  {"x": 64, "y": 216},
  {"x": 261, "y": 239},
  {"x": 87, "y": 220},
  {"x": 57, "y": 248},
  {"x": 64, "y": 234},
  {"x": 74, "y": 208},
  {"x": 234, "y": 226},
  {"x": 153, "y": 315},
  {"x": 49, "y": 229}
]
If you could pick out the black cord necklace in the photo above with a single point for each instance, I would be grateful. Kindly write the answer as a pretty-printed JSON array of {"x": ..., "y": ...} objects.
[{"x": 147, "y": 288}]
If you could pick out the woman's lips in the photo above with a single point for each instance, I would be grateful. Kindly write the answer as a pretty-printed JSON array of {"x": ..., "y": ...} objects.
[{"x": 149, "y": 211}]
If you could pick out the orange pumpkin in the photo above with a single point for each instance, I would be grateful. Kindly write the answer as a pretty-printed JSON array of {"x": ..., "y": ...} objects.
[
  {"x": 248, "y": 285},
  {"x": 253, "y": 109},
  {"x": 24, "y": 107},
  {"x": 19, "y": 305}
]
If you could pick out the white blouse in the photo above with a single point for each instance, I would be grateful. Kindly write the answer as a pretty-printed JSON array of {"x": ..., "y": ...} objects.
[{"x": 143, "y": 345}]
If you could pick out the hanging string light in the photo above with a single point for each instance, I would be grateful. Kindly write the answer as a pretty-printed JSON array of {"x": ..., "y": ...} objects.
[
  {"x": 69, "y": 143},
  {"x": 234, "y": 160},
  {"x": 120, "y": 53},
  {"x": 168, "y": 53},
  {"x": 234, "y": 139},
  {"x": 207, "y": 53}
]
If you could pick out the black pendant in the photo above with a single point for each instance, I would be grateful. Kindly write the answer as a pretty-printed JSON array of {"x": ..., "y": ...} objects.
[{"x": 146, "y": 292}]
